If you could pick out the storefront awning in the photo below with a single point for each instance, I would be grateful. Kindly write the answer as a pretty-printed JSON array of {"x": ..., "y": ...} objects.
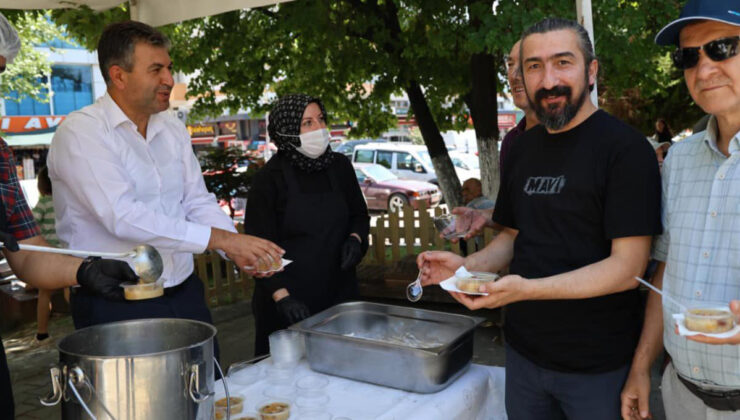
[{"x": 29, "y": 140}]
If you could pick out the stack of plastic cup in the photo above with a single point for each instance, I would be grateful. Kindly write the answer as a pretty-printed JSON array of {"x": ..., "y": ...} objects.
[{"x": 286, "y": 348}]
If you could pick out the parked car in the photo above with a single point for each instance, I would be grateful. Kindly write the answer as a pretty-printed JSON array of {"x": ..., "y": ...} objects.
[
  {"x": 384, "y": 191},
  {"x": 406, "y": 161},
  {"x": 348, "y": 147},
  {"x": 467, "y": 165}
]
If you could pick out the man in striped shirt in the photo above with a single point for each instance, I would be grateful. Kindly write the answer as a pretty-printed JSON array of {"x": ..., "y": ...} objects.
[{"x": 699, "y": 251}]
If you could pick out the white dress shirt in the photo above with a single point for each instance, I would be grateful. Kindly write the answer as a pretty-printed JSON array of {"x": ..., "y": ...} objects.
[{"x": 114, "y": 189}]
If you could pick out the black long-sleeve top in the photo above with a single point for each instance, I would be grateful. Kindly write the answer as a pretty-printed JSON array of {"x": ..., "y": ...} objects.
[{"x": 268, "y": 196}]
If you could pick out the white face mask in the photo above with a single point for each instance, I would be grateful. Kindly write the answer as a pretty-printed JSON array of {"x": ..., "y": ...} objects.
[{"x": 314, "y": 144}]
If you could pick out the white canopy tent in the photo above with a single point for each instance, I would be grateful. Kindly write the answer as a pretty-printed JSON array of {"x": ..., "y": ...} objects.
[{"x": 153, "y": 12}]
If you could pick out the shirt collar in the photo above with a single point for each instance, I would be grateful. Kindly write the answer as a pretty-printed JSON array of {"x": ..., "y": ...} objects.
[
  {"x": 710, "y": 138},
  {"x": 118, "y": 117}
]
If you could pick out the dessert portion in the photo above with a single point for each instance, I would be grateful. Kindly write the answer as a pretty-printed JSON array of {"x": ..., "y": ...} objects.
[
  {"x": 473, "y": 284},
  {"x": 139, "y": 291},
  {"x": 265, "y": 266},
  {"x": 236, "y": 404},
  {"x": 709, "y": 320},
  {"x": 275, "y": 411}
]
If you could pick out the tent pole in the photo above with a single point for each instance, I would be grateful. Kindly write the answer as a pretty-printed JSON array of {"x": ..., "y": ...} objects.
[
  {"x": 585, "y": 18},
  {"x": 134, "y": 12}
]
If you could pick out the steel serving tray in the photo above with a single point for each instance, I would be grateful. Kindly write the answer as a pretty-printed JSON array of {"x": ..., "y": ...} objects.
[{"x": 406, "y": 348}]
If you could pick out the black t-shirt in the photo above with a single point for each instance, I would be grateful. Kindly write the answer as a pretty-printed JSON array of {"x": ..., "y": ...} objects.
[{"x": 569, "y": 194}]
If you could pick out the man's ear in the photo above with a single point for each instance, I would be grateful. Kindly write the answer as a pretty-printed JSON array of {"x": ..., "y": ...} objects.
[
  {"x": 593, "y": 71},
  {"x": 118, "y": 76}
]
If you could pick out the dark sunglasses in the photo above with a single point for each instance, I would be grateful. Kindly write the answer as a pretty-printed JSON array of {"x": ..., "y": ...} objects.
[{"x": 717, "y": 50}]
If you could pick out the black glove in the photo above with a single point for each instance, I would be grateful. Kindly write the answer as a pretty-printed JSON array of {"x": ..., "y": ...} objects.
[
  {"x": 351, "y": 253},
  {"x": 104, "y": 277},
  {"x": 8, "y": 241},
  {"x": 292, "y": 310}
]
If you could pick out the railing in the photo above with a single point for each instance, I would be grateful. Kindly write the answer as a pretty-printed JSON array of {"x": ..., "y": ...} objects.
[{"x": 395, "y": 240}]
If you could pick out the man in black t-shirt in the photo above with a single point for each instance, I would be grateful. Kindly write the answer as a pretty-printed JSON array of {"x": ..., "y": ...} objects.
[{"x": 579, "y": 202}]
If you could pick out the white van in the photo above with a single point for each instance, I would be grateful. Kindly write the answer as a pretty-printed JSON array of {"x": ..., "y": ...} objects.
[{"x": 406, "y": 161}]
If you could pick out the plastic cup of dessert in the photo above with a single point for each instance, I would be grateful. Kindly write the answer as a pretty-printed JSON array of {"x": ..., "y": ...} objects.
[
  {"x": 236, "y": 405},
  {"x": 709, "y": 317},
  {"x": 274, "y": 409},
  {"x": 473, "y": 284}
]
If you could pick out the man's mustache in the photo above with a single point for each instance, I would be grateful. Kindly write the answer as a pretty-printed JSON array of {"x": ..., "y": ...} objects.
[{"x": 555, "y": 91}]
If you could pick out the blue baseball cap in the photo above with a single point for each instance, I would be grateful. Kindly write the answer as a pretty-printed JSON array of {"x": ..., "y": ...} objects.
[{"x": 727, "y": 11}]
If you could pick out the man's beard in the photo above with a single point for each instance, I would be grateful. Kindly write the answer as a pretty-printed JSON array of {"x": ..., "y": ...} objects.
[{"x": 552, "y": 117}]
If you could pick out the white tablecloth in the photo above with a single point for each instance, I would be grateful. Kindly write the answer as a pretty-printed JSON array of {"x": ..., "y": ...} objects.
[{"x": 477, "y": 395}]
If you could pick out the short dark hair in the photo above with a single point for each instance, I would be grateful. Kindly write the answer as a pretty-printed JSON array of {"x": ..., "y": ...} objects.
[
  {"x": 556, "y": 24},
  {"x": 118, "y": 41},
  {"x": 43, "y": 183}
]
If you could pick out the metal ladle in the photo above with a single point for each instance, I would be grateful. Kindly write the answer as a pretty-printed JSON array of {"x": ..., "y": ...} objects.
[{"x": 147, "y": 261}]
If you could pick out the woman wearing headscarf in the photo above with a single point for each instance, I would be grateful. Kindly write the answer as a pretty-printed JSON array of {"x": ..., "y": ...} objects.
[{"x": 307, "y": 200}]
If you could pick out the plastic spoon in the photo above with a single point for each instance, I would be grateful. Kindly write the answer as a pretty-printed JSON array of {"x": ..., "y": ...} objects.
[
  {"x": 665, "y": 296},
  {"x": 147, "y": 261},
  {"x": 414, "y": 290}
]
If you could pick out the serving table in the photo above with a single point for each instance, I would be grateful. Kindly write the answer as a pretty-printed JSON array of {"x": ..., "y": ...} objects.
[{"x": 476, "y": 395}]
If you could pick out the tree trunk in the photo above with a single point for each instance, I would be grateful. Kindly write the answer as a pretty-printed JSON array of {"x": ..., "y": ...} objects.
[
  {"x": 484, "y": 110},
  {"x": 446, "y": 175}
]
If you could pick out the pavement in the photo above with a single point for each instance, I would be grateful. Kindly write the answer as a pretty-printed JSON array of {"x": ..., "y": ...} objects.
[{"x": 29, "y": 361}]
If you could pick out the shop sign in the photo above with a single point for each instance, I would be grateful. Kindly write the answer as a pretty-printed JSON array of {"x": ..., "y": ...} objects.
[
  {"x": 506, "y": 120},
  {"x": 28, "y": 124},
  {"x": 228, "y": 127},
  {"x": 202, "y": 130}
]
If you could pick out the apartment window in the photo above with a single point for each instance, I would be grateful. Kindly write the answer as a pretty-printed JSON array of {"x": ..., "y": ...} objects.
[{"x": 71, "y": 87}]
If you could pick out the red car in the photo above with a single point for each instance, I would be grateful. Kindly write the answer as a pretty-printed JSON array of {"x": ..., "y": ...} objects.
[{"x": 384, "y": 191}]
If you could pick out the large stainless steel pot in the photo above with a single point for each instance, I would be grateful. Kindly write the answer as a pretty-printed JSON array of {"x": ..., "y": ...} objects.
[{"x": 136, "y": 370}]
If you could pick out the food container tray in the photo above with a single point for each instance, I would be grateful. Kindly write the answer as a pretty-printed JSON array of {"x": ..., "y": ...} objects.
[{"x": 405, "y": 348}]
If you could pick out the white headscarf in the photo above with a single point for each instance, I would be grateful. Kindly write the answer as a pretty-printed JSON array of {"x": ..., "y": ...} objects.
[{"x": 10, "y": 42}]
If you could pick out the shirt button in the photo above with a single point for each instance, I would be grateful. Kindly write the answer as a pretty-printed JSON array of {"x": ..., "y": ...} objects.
[
  {"x": 714, "y": 214},
  {"x": 697, "y": 293},
  {"x": 696, "y": 369},
  {"x": 705, "y": 254},
  {"x": 721, "y": 176}
]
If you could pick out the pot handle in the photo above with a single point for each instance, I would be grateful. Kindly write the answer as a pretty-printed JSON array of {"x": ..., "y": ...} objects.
[
  {"x": 76, "y": 378},
  {"x": 56, "y": 393},
  {"x": 194, "y": 386}
]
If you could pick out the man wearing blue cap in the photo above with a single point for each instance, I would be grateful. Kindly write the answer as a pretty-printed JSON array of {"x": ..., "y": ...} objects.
[{"x": 700, "y": 247}]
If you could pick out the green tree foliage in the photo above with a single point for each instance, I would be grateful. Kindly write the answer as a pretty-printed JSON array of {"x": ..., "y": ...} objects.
[
  {"x": 27, "y": 74},
  {"x": 446, "y": 55},
  {"x": 220, "y": 173}
]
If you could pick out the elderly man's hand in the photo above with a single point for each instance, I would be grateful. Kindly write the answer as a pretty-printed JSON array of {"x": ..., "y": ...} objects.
[
  {"x": 472, "y": 221},
  {"x": 735, "y": 339},
  {"x": 436, "y": 266}
]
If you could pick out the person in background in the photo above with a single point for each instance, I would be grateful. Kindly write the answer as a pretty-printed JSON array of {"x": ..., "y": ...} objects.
[
  {"x": 478, "y": 219},
  {"x": 662, "y": 132},
  {"x": 661, "y": 150},
  {"x": 307, "y": 200},
  {"x": 43, "y": 213},
  {"x": 699, "y": 251},
  {"x": 39, "y": 269},
  {"x": 472, "y": 194},
  {"x": 519, "y": 96}
]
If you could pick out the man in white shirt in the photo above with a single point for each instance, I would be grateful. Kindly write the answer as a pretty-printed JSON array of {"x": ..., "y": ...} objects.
[{"x": 124, "y": 173}]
